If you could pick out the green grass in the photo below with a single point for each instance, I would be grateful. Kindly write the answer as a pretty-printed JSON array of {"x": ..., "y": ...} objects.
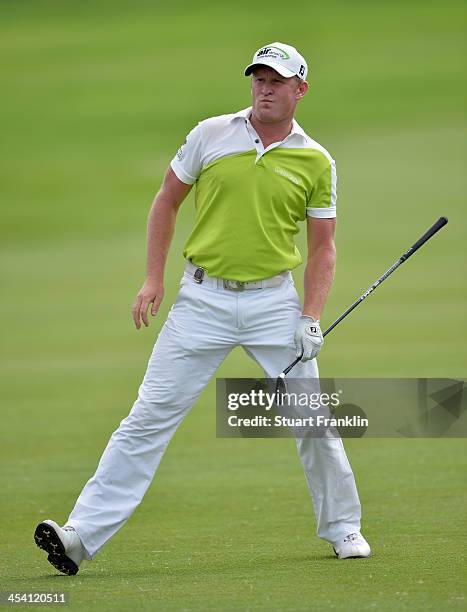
[{"x": 96, "y": 99}]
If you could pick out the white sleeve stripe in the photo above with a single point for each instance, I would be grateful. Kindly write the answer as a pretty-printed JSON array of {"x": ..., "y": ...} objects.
[
  {"x": 181, "y": 174},
  {"x": 321, "y": 213},
  {"x": 333, "y": 185}
]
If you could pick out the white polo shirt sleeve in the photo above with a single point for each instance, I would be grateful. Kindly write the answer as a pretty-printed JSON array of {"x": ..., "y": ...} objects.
[
  {"x": 322, "y": 203},
  {"x": 187, "y": 163}
]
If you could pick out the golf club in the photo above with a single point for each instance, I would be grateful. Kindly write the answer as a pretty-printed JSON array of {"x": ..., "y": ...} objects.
[{"x": 280, "y": 383}]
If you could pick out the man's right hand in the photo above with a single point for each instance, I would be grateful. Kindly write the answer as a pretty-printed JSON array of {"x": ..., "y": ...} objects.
[{"x": 152, "y": 292}]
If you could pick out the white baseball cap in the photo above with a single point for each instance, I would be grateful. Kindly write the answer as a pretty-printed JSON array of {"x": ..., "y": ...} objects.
[{"x": 284, "y": 59}]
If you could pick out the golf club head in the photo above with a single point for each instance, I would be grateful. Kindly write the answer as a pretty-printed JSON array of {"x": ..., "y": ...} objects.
[{"x": 281, "y": 387}]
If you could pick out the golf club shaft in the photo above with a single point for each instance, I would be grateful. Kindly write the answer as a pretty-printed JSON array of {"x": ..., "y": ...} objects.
[{"x": 420, "y": 242}]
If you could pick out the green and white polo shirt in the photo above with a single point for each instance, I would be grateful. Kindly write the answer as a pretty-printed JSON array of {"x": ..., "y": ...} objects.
[{"x": 249, "y": 200}]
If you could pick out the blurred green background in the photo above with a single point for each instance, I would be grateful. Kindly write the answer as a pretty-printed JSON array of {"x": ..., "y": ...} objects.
[{"x": 96, "y": 99}]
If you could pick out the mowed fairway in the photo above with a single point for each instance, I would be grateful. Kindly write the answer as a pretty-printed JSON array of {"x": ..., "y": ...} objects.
[{"x": 96, "y": 99}]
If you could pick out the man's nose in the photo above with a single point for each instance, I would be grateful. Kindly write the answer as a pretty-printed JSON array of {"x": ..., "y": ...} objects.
[{"x": 266, "y": 88}]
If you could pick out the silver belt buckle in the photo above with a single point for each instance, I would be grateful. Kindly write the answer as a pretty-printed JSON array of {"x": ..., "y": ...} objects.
[{"x": 234, "y": 285}]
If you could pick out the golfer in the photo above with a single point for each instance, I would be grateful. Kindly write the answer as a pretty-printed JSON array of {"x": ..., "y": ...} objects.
[{"x": 257, "y": 175}]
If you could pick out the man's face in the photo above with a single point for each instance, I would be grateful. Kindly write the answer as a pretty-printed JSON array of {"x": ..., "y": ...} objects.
[{"x": 274, "y": 96}]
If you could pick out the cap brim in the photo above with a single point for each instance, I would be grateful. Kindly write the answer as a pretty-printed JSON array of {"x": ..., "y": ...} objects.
[{"x": 285, "y": 72}]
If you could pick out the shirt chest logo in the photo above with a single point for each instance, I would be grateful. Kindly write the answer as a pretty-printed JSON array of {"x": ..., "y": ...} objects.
[{"x": 287, "y": 175}]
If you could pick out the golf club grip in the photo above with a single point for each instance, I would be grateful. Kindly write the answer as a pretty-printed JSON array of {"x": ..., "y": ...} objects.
[
  {"x": 441, "y": 222},
  {"x": 426, "y": 236},
  {"x": 420, "y": 242}
]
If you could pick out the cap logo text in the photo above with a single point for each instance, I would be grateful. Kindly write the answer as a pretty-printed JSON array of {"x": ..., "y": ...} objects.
[{"x": 272, "y": 52}]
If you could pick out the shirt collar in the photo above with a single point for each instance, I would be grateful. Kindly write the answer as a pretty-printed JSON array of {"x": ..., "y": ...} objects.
[
  {"x": 246, "y": 112},
  {"x": 297, "y": 129},
  {"x": 242, "y": 114}
]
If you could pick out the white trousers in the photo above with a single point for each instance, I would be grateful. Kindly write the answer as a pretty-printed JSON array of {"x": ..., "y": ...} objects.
[{"x": 204, "y": 325}]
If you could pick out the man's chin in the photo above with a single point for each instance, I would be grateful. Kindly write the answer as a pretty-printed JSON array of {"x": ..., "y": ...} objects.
[{"x": 266, "y": 116}]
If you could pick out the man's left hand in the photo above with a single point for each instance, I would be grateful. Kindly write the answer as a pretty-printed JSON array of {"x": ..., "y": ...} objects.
[{"x": 308, "y": 338}]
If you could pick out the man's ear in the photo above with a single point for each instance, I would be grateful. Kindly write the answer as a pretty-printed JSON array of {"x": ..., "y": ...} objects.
[{"x": 302, "y": 89}]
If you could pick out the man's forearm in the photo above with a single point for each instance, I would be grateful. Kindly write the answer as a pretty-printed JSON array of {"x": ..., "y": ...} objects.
[
  {"x": 319, "y": 275},
  {"x": 161, "y": 225}
]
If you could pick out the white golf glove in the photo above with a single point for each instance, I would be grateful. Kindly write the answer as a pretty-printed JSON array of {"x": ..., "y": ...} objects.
[{"x": 308, "y": 338}]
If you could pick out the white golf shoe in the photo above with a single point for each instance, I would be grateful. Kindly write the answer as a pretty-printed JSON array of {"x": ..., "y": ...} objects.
[
  {"x": 63, "y": 546},
  {"x": 352, "y": 546}
]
